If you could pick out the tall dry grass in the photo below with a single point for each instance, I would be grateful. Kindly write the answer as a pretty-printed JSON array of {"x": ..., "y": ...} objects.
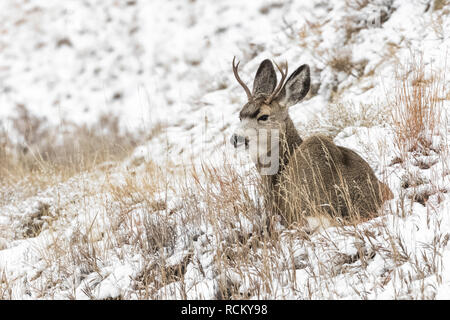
[
  {"x": 417, "y": 106},
  {"x": 44, "y": 155}
]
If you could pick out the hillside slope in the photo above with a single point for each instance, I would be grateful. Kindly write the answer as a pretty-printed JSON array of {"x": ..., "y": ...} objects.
[{"x": 181, "y": 216}]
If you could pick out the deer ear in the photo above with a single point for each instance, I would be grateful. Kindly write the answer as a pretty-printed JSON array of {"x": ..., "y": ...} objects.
[
  {"x": 265, "y": 78},
  {"x": 296, "y": 87}
]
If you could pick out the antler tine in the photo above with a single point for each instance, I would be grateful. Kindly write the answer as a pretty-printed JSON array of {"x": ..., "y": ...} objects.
[
  {"x": 236, "y": 75},
  {"x": 280, "y": 84}
]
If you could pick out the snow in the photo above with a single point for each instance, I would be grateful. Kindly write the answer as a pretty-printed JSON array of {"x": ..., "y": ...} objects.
[{"x": 151, "y": 62}]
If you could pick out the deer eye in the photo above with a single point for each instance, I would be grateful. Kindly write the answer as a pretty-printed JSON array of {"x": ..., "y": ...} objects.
[{"x": 263, "y": 118}]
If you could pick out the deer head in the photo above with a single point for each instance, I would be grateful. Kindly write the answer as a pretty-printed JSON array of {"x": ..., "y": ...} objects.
[{"x": 266, "y": 111}]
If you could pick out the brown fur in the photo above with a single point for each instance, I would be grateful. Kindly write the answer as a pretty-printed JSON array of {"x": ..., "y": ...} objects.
[{"x": 323, "y": 178}]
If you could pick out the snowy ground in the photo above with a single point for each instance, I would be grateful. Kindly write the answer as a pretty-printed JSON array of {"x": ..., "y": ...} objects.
[{"x": 129, "y": 230}]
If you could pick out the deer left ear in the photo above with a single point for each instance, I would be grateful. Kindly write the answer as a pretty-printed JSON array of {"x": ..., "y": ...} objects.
[
  {"x": 296, "y": 87},
  {"x": 265, "y": 79}
]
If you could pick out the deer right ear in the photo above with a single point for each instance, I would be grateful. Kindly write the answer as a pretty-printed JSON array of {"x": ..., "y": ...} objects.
[
  {"x": 265, "y": 78},
  {"x": 296, "y": 87}
]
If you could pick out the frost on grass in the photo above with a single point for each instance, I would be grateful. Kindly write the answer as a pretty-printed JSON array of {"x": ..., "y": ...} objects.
[
  {"x": 183, "y": 217},
  {"x": 145, "y": 233}
]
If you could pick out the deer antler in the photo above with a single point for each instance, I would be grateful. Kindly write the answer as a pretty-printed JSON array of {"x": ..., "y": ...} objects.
[
  {"x": 280, "y": 84},
  {"x": 236, "y": 75}
]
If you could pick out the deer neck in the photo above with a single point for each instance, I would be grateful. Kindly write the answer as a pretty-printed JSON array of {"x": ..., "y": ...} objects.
[{"x": 289, "y": 141}]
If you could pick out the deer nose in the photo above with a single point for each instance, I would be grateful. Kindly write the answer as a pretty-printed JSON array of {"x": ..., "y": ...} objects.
[{"x": 237, "y": 141}]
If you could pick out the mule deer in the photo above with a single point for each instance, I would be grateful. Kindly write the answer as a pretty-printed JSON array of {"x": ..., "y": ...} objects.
[{"x": 313, "y": 177}]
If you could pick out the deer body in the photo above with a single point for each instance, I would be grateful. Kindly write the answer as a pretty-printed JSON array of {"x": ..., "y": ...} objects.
[{"x": 314, "y": 176}]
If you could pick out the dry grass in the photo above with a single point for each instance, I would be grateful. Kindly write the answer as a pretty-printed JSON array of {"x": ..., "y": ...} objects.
[
  {"x": 337, "y": 116},
  {"x": 226, "y": 201},
  {"x": 357, "y": 4},
  {"x": 245, "y": 247},
  {"x": 310, "y": 34},
  {"x": 417, "y": 106},
  {"x": 5, "y": 288},
  {"x": 340, "y": 60},
  {"x": 46, "y": 155},
  {"x": 220, "y": 197}
]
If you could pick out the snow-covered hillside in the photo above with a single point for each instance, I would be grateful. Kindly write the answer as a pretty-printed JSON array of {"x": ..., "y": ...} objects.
[{"x": 144, "y": 228}]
